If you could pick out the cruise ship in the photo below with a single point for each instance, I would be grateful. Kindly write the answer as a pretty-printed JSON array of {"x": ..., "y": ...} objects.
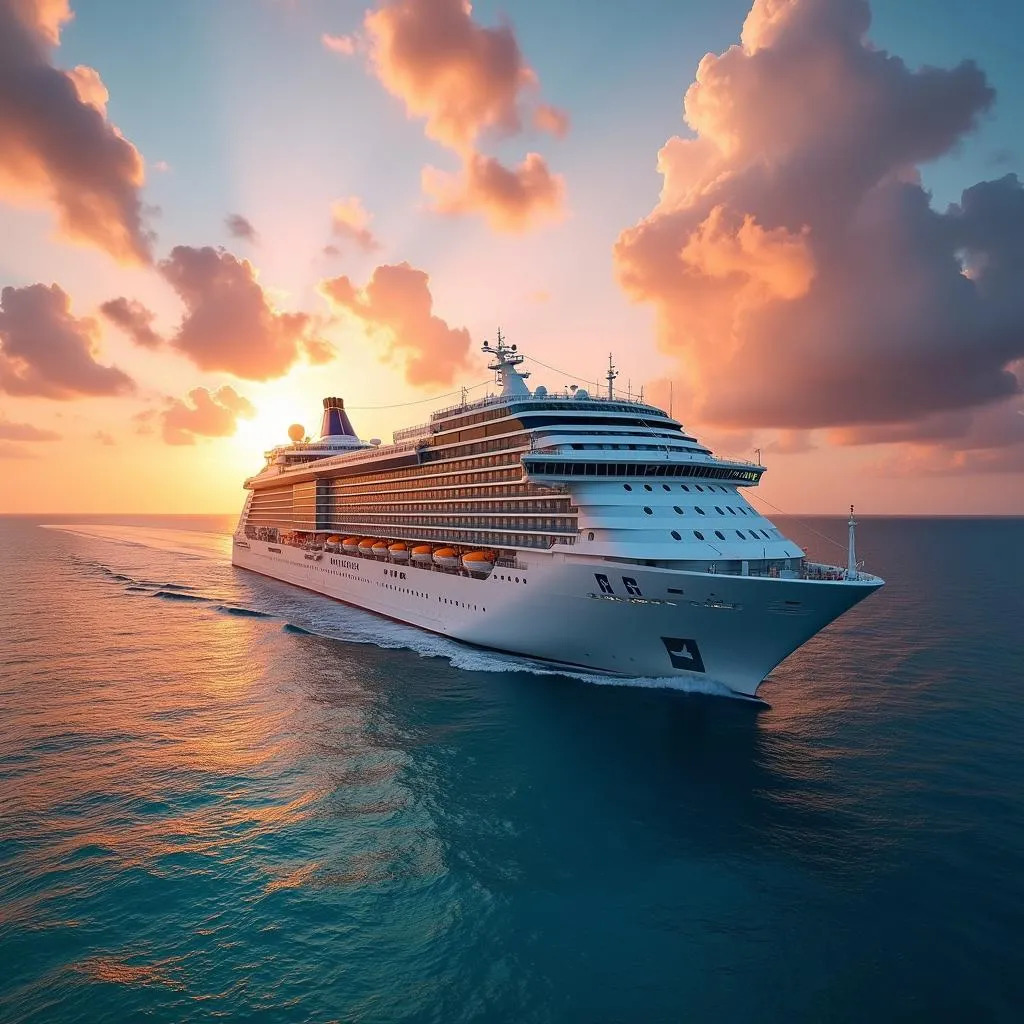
[{"x": 586, "y": 530}]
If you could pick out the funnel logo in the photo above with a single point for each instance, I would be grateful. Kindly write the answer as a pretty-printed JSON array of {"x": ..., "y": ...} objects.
[{"x": 684, "y": 654}]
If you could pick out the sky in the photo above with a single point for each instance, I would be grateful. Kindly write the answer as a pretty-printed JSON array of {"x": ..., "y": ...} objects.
[{"x": 797, "y": 220}]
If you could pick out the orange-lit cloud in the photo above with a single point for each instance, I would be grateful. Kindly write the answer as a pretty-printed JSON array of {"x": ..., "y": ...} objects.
[
  {"x": 10, "y": 431},
  {"x": 134, "y": 319},
  {"x": 339, "y": 44},
  {"x": 8, "y": 450},
  {"x": 57, "y": 146},
  {"x": 396, "y": 303},
  {"x": 240, "y": 227},
  {"x": 462, "y": 78},
  {"x": 797, "y": 268},
  {"x": 104, "y": 438},
  {"x": 466, "y": 80},
  {"x": 229, "y": 324},
  {"x": 512, "y": 199},
  {"x": 551, "y": 120},
  {"x": 350, "y": 221},
  {"x": 204, "y": 414},
  {"x": 47, "y": 351}
]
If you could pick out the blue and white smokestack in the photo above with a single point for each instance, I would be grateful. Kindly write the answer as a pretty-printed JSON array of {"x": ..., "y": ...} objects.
[{"x": 336, "y": 422}]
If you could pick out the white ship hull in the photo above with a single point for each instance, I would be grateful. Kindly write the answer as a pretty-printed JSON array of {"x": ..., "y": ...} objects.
[{"x": 572, "y": 609}]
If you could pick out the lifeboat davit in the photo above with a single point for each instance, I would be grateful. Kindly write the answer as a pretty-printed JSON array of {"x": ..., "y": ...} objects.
[
  {"x": 399, "y": 551},
  {"x": 350, "y": 545},
  {"x": 380, "y": 549},
  {"x": 478, "y": 562},
  {"x": 366, "y": 546},
  {"x": 423, "y": 554},
  {"x": 446, "y": 558}
]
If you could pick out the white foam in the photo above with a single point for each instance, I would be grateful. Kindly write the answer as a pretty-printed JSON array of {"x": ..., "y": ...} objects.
[{"x": 326, "y": 618}]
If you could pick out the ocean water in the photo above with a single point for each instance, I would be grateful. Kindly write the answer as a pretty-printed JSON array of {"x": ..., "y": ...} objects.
[{"x": 221, "y": 797}]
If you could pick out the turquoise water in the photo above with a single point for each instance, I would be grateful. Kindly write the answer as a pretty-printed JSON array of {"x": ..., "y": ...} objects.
[{"x": 223, "y": 797}]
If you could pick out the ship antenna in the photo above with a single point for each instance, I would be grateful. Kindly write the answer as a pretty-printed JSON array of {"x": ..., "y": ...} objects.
[
  {"x": 851, "y": 555},
  {"x": 610, "y": 376}
]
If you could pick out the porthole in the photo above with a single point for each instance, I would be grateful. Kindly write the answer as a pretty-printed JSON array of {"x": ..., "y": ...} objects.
[
  {"x": 665, "y": 487},
  {"x": 719, "y": 511},
  {"x": 648, "y": 510},
  {"x": 698, "y": 510},
  {"x": 685, "y": 488},
  {"x": 719, "y": 535},
  {"x": 678, "y": 510},
  {"x": 676, "y": 535},
  {"x": 627, "y": 487},
  {"x": 648, "y": 487},
  {"x": 764, "y": 534},
  {"x": 698, "y": 534},
  {"x": 730, "y": 510},
  {"x": 699, "y": 488},
  {"x": 741, "y": 535}
]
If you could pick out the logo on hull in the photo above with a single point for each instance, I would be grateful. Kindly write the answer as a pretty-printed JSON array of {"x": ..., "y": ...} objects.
[{"x": 683, "y": 653}]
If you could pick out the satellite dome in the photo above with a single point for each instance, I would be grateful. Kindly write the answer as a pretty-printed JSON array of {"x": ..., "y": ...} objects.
[
  {"x": 541, "y": 392},
  {"x": 582, "y": 395},
  {"x": 296, "y": 432}
]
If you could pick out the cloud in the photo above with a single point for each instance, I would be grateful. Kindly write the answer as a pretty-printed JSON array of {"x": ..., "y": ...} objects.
[
  {"x": 144, "y": 421},
  {"x": 104, "y": 438},
  {"x": 204, "y": 414},
  {"x": 462, "y": 78},
  {"x": 14, "y": 451},
  {"x": 58, "y": 146},
  {"x": 162, "y": 166},
  {"x": 350, "y": 221},
  {"x": 512, "y": 200},
  {"x": 239, "y": 227},
  {"x": 396, "y": 303},
  {"x": 339, "y": 44},
  {"x": 551, "y": 120},
  {"x": 467, "y": 81},
  {"x": 10, "y": 431},
  {"x": 796, "y": 265},
  {"x": 134, "y": 319},
  {"x": 229, "y": 325},
  {"x": 48, "y": 352}
]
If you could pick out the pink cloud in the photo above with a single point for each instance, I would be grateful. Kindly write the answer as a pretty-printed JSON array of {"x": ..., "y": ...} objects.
[
  {"x": 8, "y": 450},
  {"x": 47, "y": 351},
  {"x": 797, "y": 268},
  {"x": 134, "y": 319},
  {"x": 465, "y": 81},
  {"x": 350, "y": 221},
  {"x": 204, "y": 414},
  {"x": 396, "y": 304},
  {"x": 511, "y": 199},
  {"x": 552, "y": 120},
  {"x": 58, "y": 147},
  {"x": 229, "y": 324},
  {"x": 10, "y": 431},
  {"x": 462, "y": 78},
  {"x": 104, "y": 438},
  {"x": 339, "y": 44},
  {"x": 240, "y": 227}
]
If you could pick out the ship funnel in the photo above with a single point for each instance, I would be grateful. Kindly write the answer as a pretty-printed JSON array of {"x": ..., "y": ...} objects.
[{"x": 336, "y": 422}]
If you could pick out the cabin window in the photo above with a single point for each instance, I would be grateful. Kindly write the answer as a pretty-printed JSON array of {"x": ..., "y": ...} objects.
[
  {"x": 719, "y": 535},
  {"x": 678, "y": 510},
  {"x": 648, "y": 510},
  {"x": 698, "y": 510},
  {"x": 676, "y": 535},
  {"x": 698, "y": 534}
]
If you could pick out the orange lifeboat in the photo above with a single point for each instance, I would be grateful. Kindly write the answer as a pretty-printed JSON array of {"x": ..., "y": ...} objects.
[
  {"x": 350, "y": 545},
  {"x": 380, "y": 549},
  {"x": 399, "y": 551},
  {"x": 366, "y": 545},
  {"x": 422, "y": 554},
  {"x": 480, "y": 563},
  {"x": 446, "y": 558}
]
